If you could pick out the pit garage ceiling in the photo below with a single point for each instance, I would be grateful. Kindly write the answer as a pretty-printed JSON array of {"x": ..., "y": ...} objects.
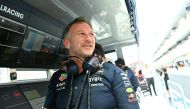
[{"x": 109, "y": 18}]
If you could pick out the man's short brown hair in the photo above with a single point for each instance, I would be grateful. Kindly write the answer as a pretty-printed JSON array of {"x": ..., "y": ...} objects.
[{"x": 76, "y": 20}]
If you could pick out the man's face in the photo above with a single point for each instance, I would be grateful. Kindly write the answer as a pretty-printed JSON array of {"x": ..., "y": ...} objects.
[{"x": 81, "y": 40}]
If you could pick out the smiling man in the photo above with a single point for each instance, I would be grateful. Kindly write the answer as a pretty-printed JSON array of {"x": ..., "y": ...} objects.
[{"x": 76, "y": 86}]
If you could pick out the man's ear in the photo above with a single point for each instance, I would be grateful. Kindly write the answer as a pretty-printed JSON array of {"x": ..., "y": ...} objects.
[{"x": 66, "y": 43}]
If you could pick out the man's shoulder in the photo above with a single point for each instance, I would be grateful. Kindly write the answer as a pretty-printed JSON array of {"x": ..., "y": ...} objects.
[
  {"x": 128, "y": 69},
  {"x": 112, "y": 68},
  {"x": 58, "y": 73},
  {"x": 108, "y": 70},
  {"x": 108, "y": 64}
]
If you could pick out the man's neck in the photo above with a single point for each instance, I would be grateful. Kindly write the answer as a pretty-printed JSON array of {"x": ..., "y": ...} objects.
[{"x": 79, "y": 63}]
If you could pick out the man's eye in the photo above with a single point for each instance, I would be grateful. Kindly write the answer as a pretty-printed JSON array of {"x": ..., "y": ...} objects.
[
  {"x": 81, "y": 33},
  {"x": 91, "y": 34}
]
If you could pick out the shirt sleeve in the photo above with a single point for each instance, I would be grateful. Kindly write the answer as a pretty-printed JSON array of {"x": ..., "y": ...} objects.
[
  {"x": 123, "y": 91},
  {"x": 134, "y": 81},
  {"x": 50, "y": 101}
]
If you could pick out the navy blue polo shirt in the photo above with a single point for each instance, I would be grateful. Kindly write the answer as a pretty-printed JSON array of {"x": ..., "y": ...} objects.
[{"x": 110, "y": 89}]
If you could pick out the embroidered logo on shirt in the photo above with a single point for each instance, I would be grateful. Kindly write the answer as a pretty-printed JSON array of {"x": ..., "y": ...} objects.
[
  {"x": 96, "y": 81},
  {"x": 132, "y": 97},
  {"x": 131, "y": 94},
  {"x": 60, "y": 85},
  {"x": 129, "y": 90},
  {"x": 63, "y": 77}
]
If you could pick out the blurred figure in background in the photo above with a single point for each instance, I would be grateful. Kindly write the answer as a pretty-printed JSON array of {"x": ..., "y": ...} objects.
[
  {"x": 143, "y": 84},
  {"x": 140, "y": 77},
  {"x": 166, "y": 78},
  {"x": 131, "y": 75},
  {"x": 150, "y": 82}
]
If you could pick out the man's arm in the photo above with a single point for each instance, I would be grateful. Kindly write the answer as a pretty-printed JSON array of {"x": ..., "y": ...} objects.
[
  {"x": 50, "y": 99},
  {"x": 134, "y": 81},
  {"x": 124, "y": 93}
]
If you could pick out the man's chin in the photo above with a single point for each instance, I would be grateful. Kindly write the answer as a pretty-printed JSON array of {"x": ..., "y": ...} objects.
[{"x": 88, "y": 55}]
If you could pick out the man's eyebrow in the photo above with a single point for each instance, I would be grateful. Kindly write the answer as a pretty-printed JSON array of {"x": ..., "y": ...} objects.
[
  {"x": 79, "y": 30},
  {"x": 83, "y": 31}
]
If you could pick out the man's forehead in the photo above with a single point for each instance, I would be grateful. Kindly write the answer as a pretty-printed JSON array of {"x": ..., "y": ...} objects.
[
  {"x": 76, "y": 28},
  {"x": 79, "y": 24}
]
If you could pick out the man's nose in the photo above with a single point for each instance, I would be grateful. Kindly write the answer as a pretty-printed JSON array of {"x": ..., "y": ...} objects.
[{"x": 87, "y": 36}]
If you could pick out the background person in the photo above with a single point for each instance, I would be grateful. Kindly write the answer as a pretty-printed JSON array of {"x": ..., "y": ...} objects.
[
  {"x": 166, "y": 78},
  {"x": 131, "y": 75},
  {"x": 150, "y": 82},
  {"x": 141, "y": 77}
]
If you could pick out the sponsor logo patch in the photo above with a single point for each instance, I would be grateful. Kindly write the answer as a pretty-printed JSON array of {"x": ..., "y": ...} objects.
[
  {"x": 132, "y": 97},
  {"x": 129, "y": 90},
  {"x": 63, "y": 77}
]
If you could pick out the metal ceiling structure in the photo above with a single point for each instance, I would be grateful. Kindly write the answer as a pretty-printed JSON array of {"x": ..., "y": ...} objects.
[{"x": 110, "y": 19}]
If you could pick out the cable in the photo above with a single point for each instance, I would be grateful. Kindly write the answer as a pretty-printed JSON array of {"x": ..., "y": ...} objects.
[
  {"x": 89, "y": 90},
  {"x": 92, "y": 62},
  {"x": 71, "y": 92},
  {"x": 81, "y": 91},
  {"x": 77, "y": 58},
  {"x": 92, "y": 65}
]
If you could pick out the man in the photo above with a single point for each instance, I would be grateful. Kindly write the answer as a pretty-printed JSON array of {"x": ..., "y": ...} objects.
[
  {"x": 166, "y": 78},
  {"x": 133, "y": 79},
  {"x": 86, "y": 89}
]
